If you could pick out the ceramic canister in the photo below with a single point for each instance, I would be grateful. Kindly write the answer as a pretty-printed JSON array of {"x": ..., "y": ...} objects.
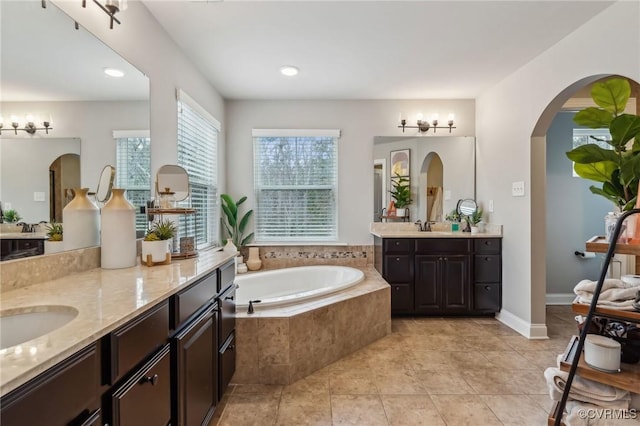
[
  {"x": 81, "y": 219},
  {"x": 602, "y": 352},
  {"x": 118, "y": 232}
]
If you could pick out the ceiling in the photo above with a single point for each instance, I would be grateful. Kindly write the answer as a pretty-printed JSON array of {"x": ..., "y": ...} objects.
[
  {"x": 44, "y": 58},
  {"x": 365, "y": 49}
]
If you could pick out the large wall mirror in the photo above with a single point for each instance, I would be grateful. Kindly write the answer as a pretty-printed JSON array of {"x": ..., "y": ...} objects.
[
  {"x": 51, "y": 70},
  {"x": 441, "y": 170}
]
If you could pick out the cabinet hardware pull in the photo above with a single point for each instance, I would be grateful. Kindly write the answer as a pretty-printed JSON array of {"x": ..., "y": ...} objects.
[
  {"x": 487, "y": 259},
  {"x": 486, "y": 287},
  {"x": 150, "y": 379},
  {"x": 397, "y": 243},
  {"x": 397, "y": 259},
  {"x": 232, "y": 347},
  {"x": 228, "y": 298},
  {"x": 445, "y": 258}
]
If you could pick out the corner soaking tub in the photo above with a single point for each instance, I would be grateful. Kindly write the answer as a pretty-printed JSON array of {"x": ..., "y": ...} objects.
[{"x": 287, "y": 286}]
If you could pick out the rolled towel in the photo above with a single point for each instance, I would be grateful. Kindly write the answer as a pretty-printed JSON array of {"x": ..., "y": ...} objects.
[{"x": 585, "y": 390}]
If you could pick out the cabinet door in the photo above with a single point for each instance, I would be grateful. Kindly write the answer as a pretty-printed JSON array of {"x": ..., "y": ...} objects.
[
  {"x": 428, "y": 294},
  {"x": 195, "y": 369},
  {"x": 227, "y": 359},
  {"x": 397, "y": 268},
  {"x": 455, "y": 283},
  {"x": 401, "y": 298},
  {"x": 145, "y": 398},
  {"x": 65, "y": 394}
]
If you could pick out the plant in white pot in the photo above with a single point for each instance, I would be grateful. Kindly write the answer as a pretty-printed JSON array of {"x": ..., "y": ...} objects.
[
  {"x": 474, "y": 219},
  {"x": 155, "y": 246},
  {"x": 401, "y": 194},
  {"x": 54, "y": 242}
]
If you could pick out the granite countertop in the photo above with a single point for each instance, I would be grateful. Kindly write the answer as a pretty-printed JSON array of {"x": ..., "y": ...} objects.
[
  {"x": 23, "y": 235},
  {"x": 439, "y": 230},
  {"x": 105, "y": 299}
]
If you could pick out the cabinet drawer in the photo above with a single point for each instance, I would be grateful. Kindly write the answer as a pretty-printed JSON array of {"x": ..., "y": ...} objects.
[
  {"x": 487, "y": 245},
  {"x": 227, "y": 275},
  {"x": 132, "y": 343},
  {"x": 397, "y": 245},
  {"x": 487, "y": 268},
  {"x": 191, "y": 299},
  {"x": 487, "y": 297},
  {"x": 29, "y": 244},
  {"x": 443, "y": 245},
  {"x": 227, "y": 364},
  {"x": 401, "y": 298},
  {"x": 397, "y": 268},
  {"x": 227, "y": 318},
  {"x": 145, "y": 399},
  {"x": 65, "y": 394}
]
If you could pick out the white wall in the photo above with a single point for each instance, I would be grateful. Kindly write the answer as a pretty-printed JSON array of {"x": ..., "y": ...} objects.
[
  {"x": 145, "y": 44},
  {"x": 360, "y": 122},
  {"x": 506, "y": 117}
]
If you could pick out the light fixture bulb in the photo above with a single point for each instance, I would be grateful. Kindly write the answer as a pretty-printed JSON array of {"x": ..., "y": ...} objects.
[
  {"x": 419, "y": 116},
  {"x": 29, "y": 118},
  {"x": 14, "y": 119},
  {"x": 112, "y": 72},
  {"x": 289, "y": 70}
]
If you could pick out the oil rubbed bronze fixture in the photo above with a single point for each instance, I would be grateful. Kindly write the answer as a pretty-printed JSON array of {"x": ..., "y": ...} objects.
[
  {"x": 29, "y": 124},
  {"x": 110, "y": 7},
  {"x": 423, "y": 125}
]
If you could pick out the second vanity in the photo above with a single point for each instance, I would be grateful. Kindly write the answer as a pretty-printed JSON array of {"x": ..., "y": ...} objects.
[
  {"x": 440, "y": 273},
  {"x": 146, "y": 346}
]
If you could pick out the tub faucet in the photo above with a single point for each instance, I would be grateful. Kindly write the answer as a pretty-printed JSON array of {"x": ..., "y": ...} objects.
[{"x": 251, "y": 302}]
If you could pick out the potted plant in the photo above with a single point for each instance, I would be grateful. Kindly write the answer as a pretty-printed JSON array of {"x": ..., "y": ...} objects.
[
  {"x": 11, "y": 216},
  {"x": 235, "y": 226},
  {"x": 401, "y": 194},
  {"x": 474, "y": 219},
  {"x": 618, "y": 168},
  {"x": 54, "y": 243},
  {"x": 156, "y": 241}
]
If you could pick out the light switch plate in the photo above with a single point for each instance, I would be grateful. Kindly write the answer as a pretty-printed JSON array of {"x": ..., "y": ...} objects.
[
  {"x": 38, "y": 196},
  {"x": 490, "y": 206},
  {"x": 517, "y": 189}
]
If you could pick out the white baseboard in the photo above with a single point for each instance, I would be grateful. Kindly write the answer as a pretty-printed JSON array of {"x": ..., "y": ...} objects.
[
  {"x": 559, "y": 298},
  {"x": 528, "y": 330}
]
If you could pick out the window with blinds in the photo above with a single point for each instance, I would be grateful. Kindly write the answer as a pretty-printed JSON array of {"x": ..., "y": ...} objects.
[
  {"x": 133, "y": 171},
  {"x": 197, "y": 153},
  {"x": 296, "y": 184}
]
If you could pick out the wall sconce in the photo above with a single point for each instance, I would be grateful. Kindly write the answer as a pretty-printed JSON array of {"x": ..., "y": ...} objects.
[
  {"x": 110, "y": 7},
  {"x": 423, "y": 125},
  {"x": 30, "y": 124}
]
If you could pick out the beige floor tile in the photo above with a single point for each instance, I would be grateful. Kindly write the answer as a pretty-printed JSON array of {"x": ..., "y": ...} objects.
[
  {"x": 444, "y": 382},
  {"x": 257, "y": 388},
  {"x": 521, "y": 343},
  {"x": 432, "y": 360},
  {"x": 493, "y": 381},
  {"x": 543, "y": 401},
  {"x": 436, "y": 343},
  {"x": 357, "y": 360},
  {"x": 304, "y": 409},
  {"x": 357, "y": 410},
  {"x": 464, "y": 410},
  {"x": 509, "y": 360},
  {"x": 467, "y": 360},
  {"x": 543, "y": 359},
  {"x": 250, "y": 409},
  {"x": 352, "y": 382},
  {"x": 516, "y": 410},
  {"x": 531, "y": 382},
  {"x": 313, "y": 385},
  {"x": 402, "y": 382},
  {"x": 411, "y": 410},
  {"x": 486, "y": 343},
  {"x": 499, "y": 329}
]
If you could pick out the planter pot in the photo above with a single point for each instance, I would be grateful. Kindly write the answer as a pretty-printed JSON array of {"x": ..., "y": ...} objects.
[
  {"x": 157, "y": 249},
  {"x": 51, "y": 247},
  {"x": 401, "y": 212},
  {"x": 475, "y": 230}
]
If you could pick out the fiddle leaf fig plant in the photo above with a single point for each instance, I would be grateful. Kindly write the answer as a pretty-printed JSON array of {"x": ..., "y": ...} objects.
[
  {"x": 618, "y": 168},
  {"x": 234, "y": 226},
  {"x": 401, "y": 191}
]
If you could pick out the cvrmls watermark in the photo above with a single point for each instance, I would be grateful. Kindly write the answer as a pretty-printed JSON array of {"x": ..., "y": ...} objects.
[{"x": 607, "y": 414}]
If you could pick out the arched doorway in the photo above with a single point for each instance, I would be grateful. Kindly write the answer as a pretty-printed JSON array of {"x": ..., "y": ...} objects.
[
  {"x": 64, "y": 175},
  {"x": 431, "y": 187}
]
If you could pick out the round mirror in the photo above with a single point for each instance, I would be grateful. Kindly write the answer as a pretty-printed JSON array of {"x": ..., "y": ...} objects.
[
  {"x": 172, "y": 178},
  {"x": 105, "y": 183},
  {"x": 466, "y": 207}
]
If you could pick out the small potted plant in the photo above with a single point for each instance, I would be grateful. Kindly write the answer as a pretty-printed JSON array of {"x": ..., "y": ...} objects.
[
  {"x": 401, "y": 194},
  {"x": 11, "y": 216},
  {"x": 54, "y": 243},
  {"x": 474, "y": 219},
  {"x": 155, "y": 246},
  {"x": 235, "y": 225}
]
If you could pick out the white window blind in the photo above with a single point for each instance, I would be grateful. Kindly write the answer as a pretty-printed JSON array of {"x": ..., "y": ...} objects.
[
  {"x": 133, "y": 170},
  {"x": 296, "y": 185},
  {"x": 197, "y": 153}
]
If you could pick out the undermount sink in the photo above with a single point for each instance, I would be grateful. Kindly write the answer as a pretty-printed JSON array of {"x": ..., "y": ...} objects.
[{"x": 21, "y": 325}]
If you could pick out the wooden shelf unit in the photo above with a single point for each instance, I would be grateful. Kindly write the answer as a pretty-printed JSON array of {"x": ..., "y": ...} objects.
[
  {"x": 628, "y": 378},
  {"x": 617, "y": 314},
  {"x": 599, "y": 244},
  {"x": 177, "y": 210}
]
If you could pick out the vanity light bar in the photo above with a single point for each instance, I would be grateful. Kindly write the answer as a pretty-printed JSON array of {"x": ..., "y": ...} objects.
[
  {"x": 424, "y": 125},
  {"x": 29, "y": 126},
  {"x": 111, "y": 7}
]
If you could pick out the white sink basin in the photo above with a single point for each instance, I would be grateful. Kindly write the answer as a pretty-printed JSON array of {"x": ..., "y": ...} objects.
[{"x": 24, "y": 324}]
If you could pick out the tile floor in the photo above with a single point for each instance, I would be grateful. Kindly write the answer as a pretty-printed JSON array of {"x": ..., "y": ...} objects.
[{"x": 429, "y": 371}]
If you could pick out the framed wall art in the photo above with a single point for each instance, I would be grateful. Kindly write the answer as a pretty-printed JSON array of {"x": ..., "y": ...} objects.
[{"x": 400, "y": 161}]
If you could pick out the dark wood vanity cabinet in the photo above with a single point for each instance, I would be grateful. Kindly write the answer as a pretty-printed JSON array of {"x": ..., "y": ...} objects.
[
  {"x": 441, "y": 276},
  {"x": 227, "y": 325},
  {"x": 66, "y": 394}
]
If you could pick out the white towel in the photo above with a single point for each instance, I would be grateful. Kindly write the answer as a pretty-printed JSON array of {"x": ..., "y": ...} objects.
[
  {"x": 585, "y": 390},
  {"x": 615, "y": 293}
]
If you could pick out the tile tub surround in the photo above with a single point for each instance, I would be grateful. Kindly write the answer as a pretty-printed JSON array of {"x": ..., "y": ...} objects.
[
  {"x": 105, "y": 300},
  {"x": 282, "y": 345},
  {"x": 278, "y": 257}
]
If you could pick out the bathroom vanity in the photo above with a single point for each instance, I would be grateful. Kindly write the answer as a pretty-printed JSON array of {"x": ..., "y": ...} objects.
[
  {"x": 440, "y": 273},
  {"x": 152, "y": 346}
]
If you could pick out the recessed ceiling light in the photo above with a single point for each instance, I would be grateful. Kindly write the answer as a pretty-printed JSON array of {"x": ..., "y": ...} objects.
[
  {"x": 112, "y": 72},
  {"x": 289, "y": 70}
]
